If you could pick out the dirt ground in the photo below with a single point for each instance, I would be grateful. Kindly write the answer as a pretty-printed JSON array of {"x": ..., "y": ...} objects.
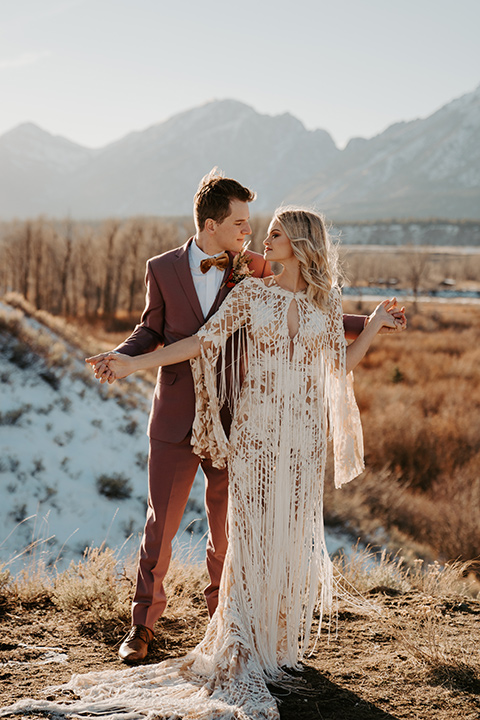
[{"x": 362, "y": 672}]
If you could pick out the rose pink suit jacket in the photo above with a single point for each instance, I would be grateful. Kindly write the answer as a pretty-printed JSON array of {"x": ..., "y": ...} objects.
[{"x": 172, "y": 312}]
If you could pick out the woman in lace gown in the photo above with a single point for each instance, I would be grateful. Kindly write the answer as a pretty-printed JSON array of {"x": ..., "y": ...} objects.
[{"x": 295, "y": 394}]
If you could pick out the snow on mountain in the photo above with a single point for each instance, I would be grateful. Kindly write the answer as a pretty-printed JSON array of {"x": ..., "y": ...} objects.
[
  {"x": 422, "y": 168},
  {"x": 29, "y": 143},
  {"x": 157, "y": 171}
]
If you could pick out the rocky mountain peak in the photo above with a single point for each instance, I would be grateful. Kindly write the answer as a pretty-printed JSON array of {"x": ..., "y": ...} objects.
[{"x": 422, "y": 168}]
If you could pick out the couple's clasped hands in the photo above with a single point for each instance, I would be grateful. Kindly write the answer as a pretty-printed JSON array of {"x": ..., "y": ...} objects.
[{"x": 110, "y": 366}]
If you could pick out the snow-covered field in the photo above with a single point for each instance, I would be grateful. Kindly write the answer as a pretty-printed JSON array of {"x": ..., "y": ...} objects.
[
  {"x": 65, "y": 441},
  {"x": 73, "y": 454}
]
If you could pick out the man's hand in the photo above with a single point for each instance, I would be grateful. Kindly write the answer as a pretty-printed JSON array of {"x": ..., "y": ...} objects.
[
  {"x": 397, "y": 315},
  {"x": 101, "y": 368}
]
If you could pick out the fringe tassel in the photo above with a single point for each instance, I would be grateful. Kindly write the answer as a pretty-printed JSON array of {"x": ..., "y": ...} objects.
[{"x": 294, "y": 392}]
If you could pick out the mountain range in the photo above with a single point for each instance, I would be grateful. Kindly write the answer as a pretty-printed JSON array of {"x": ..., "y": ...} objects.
[{"x": 424, "y": 168}]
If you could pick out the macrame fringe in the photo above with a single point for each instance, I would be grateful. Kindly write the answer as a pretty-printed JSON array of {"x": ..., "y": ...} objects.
[{"x": 289, "y": 394}]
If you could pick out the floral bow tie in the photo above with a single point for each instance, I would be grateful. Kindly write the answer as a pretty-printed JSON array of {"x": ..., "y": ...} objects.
[{"x": 220, "y": 262}]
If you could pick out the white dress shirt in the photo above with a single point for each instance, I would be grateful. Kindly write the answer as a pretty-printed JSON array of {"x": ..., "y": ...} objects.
[{"x": 206, "y": 284}]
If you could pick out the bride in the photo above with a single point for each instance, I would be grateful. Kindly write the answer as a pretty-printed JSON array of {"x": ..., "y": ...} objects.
[{"x": 296, "y": 393}]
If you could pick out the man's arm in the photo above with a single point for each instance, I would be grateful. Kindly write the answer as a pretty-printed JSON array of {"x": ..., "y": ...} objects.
[
  {"x": 382, "y": 316},
  {"x": 147, "y": 336},
  {"x": 353, "y": 324}
]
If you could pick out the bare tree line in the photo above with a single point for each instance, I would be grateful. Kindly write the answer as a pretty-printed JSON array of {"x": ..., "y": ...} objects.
[
  {"x": 80, "y": 269},
  {"x": 96, "y": 270}
]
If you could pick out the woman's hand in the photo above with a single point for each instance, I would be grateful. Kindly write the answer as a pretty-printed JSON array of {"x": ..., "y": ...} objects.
[
  {"x": 109, "y": 367},
  {"x": 388, "y": 317},
  {"x": 121, "y": 365}
]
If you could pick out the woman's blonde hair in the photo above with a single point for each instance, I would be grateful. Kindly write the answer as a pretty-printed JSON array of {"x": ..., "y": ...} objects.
[{"x": 313, "y": 248}]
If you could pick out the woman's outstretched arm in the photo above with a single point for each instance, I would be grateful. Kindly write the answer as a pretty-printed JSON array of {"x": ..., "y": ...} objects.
[
  {"x": 123, "y": 365},
  {"x": 381, "y": 317}
]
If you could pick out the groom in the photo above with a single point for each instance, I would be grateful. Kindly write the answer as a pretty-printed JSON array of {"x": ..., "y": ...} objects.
[{"x": 185, "y": 287}]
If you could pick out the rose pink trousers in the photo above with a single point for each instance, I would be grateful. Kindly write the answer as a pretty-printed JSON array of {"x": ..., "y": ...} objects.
[{"x": 172, "y": 469}]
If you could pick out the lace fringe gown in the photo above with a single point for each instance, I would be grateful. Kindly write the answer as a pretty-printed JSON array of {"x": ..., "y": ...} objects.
[{"x": 277, "y": 571}]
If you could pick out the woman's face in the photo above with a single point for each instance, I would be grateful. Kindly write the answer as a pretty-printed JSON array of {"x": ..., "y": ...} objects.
[{"x": 278, "y": 247}]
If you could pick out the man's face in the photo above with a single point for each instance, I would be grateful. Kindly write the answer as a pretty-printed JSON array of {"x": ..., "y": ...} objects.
[{"x": 230, "y": 234}]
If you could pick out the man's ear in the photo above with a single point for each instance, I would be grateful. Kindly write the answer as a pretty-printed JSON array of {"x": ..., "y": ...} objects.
[{"x": 210, "y": 225}]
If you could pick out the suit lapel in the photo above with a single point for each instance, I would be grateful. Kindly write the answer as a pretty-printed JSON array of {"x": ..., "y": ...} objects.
[
  {"x": 182, "y": 268},
  {"x": 223, "y": 292}
]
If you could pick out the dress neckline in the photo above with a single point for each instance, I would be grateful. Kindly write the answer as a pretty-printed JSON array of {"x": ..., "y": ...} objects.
[{"x": 274, "y": 284}]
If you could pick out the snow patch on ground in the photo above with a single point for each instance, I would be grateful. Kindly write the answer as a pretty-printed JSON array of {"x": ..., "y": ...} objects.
[
  {"x": 73, "y": 460},
  {"x": 64, "y": 438}
]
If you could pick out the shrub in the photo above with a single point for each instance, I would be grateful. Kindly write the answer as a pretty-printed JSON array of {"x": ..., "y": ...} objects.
[
  {"x": 21, "y": 356},
  {"x": 131, "y": 428},
  {"x": 115, "y": 486},
  {"x": 141, "y": 460},
  {"x": 18, "y": 512},
  {"x": 12, "y": 417},
  {"x": 51, "y": 379},
  {"x": 95, "y": 591}
]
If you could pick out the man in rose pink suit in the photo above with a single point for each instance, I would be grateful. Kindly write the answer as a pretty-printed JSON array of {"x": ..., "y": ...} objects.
[{"x": 185, "y": 287}]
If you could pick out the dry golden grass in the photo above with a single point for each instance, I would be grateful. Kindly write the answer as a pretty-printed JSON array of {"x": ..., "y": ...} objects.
[
  {"x": 419, "y": 399},
  {"x": 421, "y": 612},
  {"x": 364, "y": 569},
  {"x": 97, "y": 590},
  {"x": 428, "y": 637}
]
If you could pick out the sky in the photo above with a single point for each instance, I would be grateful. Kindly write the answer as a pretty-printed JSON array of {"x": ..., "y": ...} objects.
[{"x": 95, "y": 70}]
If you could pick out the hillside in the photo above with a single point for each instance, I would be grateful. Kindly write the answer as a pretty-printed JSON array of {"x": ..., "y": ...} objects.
[{"x": 73, "y": 453}]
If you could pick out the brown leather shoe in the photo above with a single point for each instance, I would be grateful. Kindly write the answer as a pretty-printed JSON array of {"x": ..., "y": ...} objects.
[{"x": 135, "y": 646}]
